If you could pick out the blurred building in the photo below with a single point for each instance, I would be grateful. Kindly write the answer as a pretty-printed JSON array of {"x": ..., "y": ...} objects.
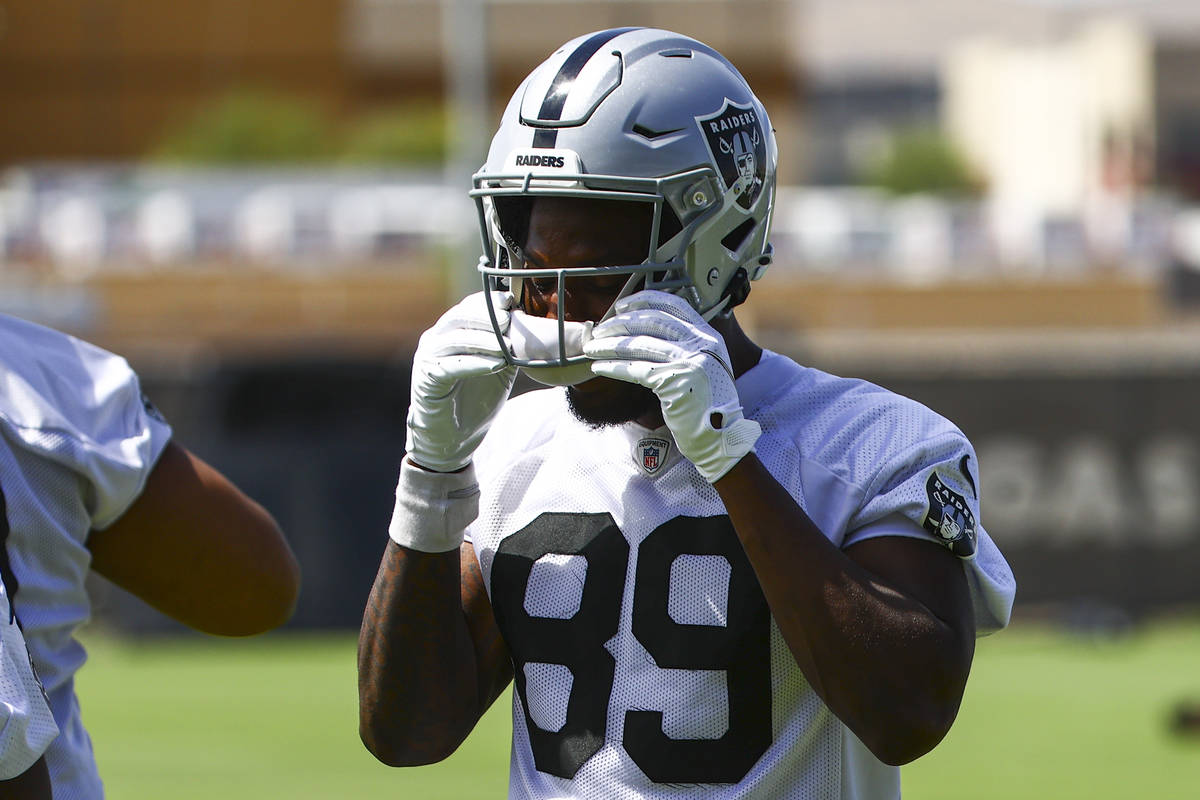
[
  {"x": 1061, "y": 131},
  {"x": 872, "y": 66},
  {"x": 1080, "y": 120}
]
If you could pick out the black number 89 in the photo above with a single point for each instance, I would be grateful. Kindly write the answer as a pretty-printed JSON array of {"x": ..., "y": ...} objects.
[{"x": 741, "y": 647}]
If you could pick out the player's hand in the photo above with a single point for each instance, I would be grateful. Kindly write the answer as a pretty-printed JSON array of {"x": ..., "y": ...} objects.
[
  {"x": 658, "y": 340},
  {"x": 460, "y": 380}
]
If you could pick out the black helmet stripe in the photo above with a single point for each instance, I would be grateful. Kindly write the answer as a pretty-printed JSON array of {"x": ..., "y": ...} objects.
[{"x": 556, "y": 95}]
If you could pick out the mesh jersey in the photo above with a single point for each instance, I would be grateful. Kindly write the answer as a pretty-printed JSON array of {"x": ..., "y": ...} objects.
[
  {"x": 77, "y": 443},
  {"x": 646, "y": 662},
  {"x": 26, "y": 724}
]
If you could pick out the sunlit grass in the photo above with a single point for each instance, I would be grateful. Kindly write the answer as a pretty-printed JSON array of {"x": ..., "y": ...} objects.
[{"x": 1047, "y": 715}]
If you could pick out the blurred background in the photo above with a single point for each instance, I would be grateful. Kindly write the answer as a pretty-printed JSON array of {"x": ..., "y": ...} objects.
[{"x": 993, "y": 207}]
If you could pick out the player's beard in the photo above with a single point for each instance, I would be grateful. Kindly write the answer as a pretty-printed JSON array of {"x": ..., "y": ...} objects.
[{"x": 611, "y": 402}]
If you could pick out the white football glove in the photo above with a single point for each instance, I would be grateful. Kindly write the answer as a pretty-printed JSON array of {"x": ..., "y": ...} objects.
[
  {"x": 658, "y": 340},
  {"x": 460, "y": 380}
]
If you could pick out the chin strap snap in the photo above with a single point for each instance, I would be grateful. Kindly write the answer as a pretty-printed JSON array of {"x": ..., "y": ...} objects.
[
  {"x": 738, "y": 289},
  {"x": 739, "y": 285}
]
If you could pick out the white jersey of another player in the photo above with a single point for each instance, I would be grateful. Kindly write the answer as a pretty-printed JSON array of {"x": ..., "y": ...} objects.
[
  {"x": 646, "y": 662},
  {"x": 77, "y": 443},
  {"x": 26, "y": 724}
]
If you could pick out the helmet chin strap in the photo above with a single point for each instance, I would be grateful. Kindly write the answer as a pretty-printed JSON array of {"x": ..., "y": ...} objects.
[
  {"x": 739, "y": 288},
  {"x": 722, "y": 308},
  {"x": 735, "y": 294}
]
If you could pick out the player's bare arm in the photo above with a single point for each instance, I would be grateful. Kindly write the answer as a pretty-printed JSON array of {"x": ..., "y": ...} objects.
[
  {"x": 195, "y": 547},
  {"x": 883, "y": 631},
  {"x": 430, "y": 659}
]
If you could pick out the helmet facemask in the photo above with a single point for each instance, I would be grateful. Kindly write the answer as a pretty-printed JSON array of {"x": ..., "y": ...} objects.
[{"x": 504, "y": 219}]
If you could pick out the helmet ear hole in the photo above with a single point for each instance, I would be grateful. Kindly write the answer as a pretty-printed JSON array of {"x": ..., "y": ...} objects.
[{"x": 734, "y": 240}]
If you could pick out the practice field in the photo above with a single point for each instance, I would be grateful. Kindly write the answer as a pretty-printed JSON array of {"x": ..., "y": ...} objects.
[{"x": 1047, "y": 715}]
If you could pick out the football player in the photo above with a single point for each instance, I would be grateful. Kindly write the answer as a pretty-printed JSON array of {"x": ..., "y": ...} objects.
[
  {"x": 709, "y": 570},
  {"x": 90, "y": 479}
]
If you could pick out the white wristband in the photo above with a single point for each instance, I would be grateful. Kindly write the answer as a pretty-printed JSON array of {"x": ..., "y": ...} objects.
[{"x": 433, "y": 509}]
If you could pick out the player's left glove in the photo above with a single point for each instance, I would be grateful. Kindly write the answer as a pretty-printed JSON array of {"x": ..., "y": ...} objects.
[{"x": 658, "y": 340}]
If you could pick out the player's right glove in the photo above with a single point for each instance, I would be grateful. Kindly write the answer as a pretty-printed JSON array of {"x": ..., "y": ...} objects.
[{"x": 460, "y": 380}]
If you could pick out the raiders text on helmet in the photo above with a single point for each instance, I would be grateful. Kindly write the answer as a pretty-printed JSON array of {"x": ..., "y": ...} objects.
[{"x": 646, "y": 116}]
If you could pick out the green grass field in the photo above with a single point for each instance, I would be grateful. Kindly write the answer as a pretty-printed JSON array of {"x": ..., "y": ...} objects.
[{"x": 1046, "y": 716}]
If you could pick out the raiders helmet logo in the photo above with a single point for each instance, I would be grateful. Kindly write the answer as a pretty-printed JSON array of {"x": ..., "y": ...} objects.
[
  {"x": 651, "y": 454},
  {"x": 736, "y": 143},
  {"x": 949, "y": 518}
]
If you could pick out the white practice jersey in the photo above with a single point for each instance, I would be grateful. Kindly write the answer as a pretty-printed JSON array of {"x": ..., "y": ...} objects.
[
  {"x": 647, "y": 663},
  {"x": 77, "y": 442},
  {"x": 26, "y": 724}
]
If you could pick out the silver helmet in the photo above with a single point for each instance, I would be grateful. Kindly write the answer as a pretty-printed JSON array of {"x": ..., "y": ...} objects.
[{"x": 646, "y": 116}]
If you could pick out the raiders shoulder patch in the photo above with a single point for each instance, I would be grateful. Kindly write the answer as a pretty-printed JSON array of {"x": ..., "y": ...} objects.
[{"x": 949, "y": 518}]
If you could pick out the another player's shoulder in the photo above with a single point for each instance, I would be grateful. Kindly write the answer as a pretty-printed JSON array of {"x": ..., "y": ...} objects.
[
  {"x": 56, "y": 382},
  {"x": 28, "y": 342}
]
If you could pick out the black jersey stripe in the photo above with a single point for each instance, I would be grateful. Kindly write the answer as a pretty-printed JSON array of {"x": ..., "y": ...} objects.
[{"x": 560, "y": 87}]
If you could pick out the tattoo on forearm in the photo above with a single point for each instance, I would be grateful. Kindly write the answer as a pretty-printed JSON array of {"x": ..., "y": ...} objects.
[{"x": 409, "y": 650}]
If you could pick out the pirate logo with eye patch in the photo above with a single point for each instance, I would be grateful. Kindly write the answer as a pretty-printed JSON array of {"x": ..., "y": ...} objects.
[{"x": 739, "y": 149}]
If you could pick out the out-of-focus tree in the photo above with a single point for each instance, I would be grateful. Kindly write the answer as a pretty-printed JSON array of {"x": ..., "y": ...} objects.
[
  {"x": 263, "y": 127},
  {"x": 249, "y": 126},
  {"x": 922, "y": 160},
  {"x": 413, "y": 133}
]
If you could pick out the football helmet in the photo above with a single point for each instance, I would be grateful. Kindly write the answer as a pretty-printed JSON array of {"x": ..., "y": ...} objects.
[{"x": 646, "y": 116}]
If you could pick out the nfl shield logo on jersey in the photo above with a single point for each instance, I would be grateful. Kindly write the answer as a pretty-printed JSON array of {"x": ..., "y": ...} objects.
[
  {"x": 651, "y": 454},
  {"x": 949, "y": 518}
]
